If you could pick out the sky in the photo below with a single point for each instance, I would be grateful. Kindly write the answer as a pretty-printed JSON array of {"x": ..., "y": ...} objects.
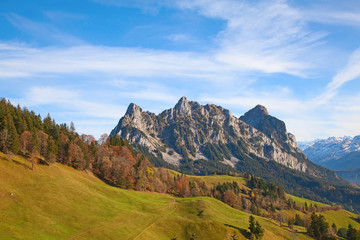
[{"x": 85, "y": 61}]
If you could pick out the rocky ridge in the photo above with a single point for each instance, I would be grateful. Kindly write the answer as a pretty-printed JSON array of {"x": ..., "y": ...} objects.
[{"x": 211, "y": 133}]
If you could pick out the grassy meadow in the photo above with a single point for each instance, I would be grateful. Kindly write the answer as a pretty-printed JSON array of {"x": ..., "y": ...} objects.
[{"x": 59, "y": 202}]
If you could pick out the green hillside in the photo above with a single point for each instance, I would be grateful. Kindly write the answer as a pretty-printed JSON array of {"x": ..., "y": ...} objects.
[
  {"x": 341, "y": 217},
  {"x": 59, "y": 202}
]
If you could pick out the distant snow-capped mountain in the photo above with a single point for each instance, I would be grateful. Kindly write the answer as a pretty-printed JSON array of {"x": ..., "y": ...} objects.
[{"x": 336, "y": 153}]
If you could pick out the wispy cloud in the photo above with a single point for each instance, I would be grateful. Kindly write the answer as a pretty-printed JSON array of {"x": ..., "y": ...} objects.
[
  {"x": 349, "y": 73},
  {"x": 21, "y": 61},
  {"x": 43, "y": 31},
  {"x": 333, "y": 17},
  {"x": 180, "y": 37},
  {"x": 267, "y": 36},
  {"x": 70, "y": 101},
  {"x": 63, "y": 16}
]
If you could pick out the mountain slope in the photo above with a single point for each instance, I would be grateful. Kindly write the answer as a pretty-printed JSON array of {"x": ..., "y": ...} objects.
[{"x": 58, "y": 202}]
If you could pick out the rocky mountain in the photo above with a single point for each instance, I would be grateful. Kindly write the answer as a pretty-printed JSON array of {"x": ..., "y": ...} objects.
[
  {"x": 200, "y": 138},
  {"x": 335, "y": 153}
]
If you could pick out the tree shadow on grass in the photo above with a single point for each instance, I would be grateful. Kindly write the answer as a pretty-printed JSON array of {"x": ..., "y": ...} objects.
[
  {"x": 357, "y": 219},
  {"x": 22, "y": 164},
  {"x": 243, "y": 231}
]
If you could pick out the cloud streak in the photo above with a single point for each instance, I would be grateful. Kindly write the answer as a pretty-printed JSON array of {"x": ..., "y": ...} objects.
[
  {"x": 22, "y": 61},
  {"x": 42, "y": 31}
]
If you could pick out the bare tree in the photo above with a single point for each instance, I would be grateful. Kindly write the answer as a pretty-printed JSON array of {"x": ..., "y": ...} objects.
[{"x": 103, "y": 139}]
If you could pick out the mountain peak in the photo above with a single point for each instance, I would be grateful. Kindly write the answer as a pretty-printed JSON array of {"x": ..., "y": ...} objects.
[
  {"x": 260, "y": 109},
  {"x": 254, "y": 116},
  {"x": 259, "y": 118},
  {"x": 133, "y": 109},
  {"x": 183, "y": 106}
]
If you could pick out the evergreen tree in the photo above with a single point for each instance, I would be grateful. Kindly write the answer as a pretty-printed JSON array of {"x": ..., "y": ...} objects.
[
  {"x": 252, "y": 224},
  {"x": 318, "y": 227},
  {"x": 13, "y": 135},
  {"x": 352, "y": 233},
  {"x": 255, "y": 228}
]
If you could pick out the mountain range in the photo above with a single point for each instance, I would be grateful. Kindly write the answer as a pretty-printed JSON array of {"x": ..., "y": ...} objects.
[
  {"x": 202, "y": 139},
  {"x": 341, "y": 154}
]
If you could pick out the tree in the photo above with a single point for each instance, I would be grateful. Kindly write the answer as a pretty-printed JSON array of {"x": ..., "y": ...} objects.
[
  {"x": 291, "y": 222},
  {"x": 103, "y": 139},
  {"x": 259, "y": 231},
  {"x": 299, "y": 221},
  {"x": 334, "y": 228},
  {"x": 230, "y": 198},
  {"x": 26, "y": 142},
  {"x": 76, "y": 156},
  {"x": 352, "y": 233},
  {"x": 255, "y": 228},
  {"x": 14, "y": 144},
  {"x": 251, "y": 224},
  {"x": 4, "y": 140},
  {"x": 43, "y": 142},
  {"x": 318, "y": 227},
  {"x": 34, "y": 158}
]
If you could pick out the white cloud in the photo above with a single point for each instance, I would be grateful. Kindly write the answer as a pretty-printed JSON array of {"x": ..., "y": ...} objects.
[
  {"x": 349, "y": 73},
  {"x": 132, "y": 62},
  {"x": 72, "y": 102},
  {"x": 265, "y": 36},
  {"x": 333, "y": 17}
]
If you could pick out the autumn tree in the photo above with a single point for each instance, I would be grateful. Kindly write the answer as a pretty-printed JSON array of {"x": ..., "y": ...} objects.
[
  {"x": 230, "y": 198},
  {"x": 26, "y": 143},
  {"x": 76, "y": 156}
]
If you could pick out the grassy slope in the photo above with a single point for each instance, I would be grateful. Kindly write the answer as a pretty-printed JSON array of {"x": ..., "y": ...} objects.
[
  {"x": 58, "y": 202},
  {"x": 341, "y": 218}
]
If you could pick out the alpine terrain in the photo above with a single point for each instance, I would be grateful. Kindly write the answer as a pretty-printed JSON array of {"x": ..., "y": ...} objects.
[{"x": 202, "y": 139}]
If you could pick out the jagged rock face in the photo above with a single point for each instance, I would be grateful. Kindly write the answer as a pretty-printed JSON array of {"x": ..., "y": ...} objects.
[
  {"x": 274, "y": 128},
  {"x": 209, "y": 132}
]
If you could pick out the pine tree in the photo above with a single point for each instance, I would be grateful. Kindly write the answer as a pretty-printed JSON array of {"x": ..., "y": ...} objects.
[
  {"x": 252, "y": 224},
  {"x": 255, "y": 228},
  {"x": 13, "y": 135}
]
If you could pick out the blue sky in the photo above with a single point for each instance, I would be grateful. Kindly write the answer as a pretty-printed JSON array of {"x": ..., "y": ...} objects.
[{"x": 86, "y": 60}]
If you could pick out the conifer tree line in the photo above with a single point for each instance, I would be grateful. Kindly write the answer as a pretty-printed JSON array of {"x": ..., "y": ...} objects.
[{"x": 113, "y": 160}]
